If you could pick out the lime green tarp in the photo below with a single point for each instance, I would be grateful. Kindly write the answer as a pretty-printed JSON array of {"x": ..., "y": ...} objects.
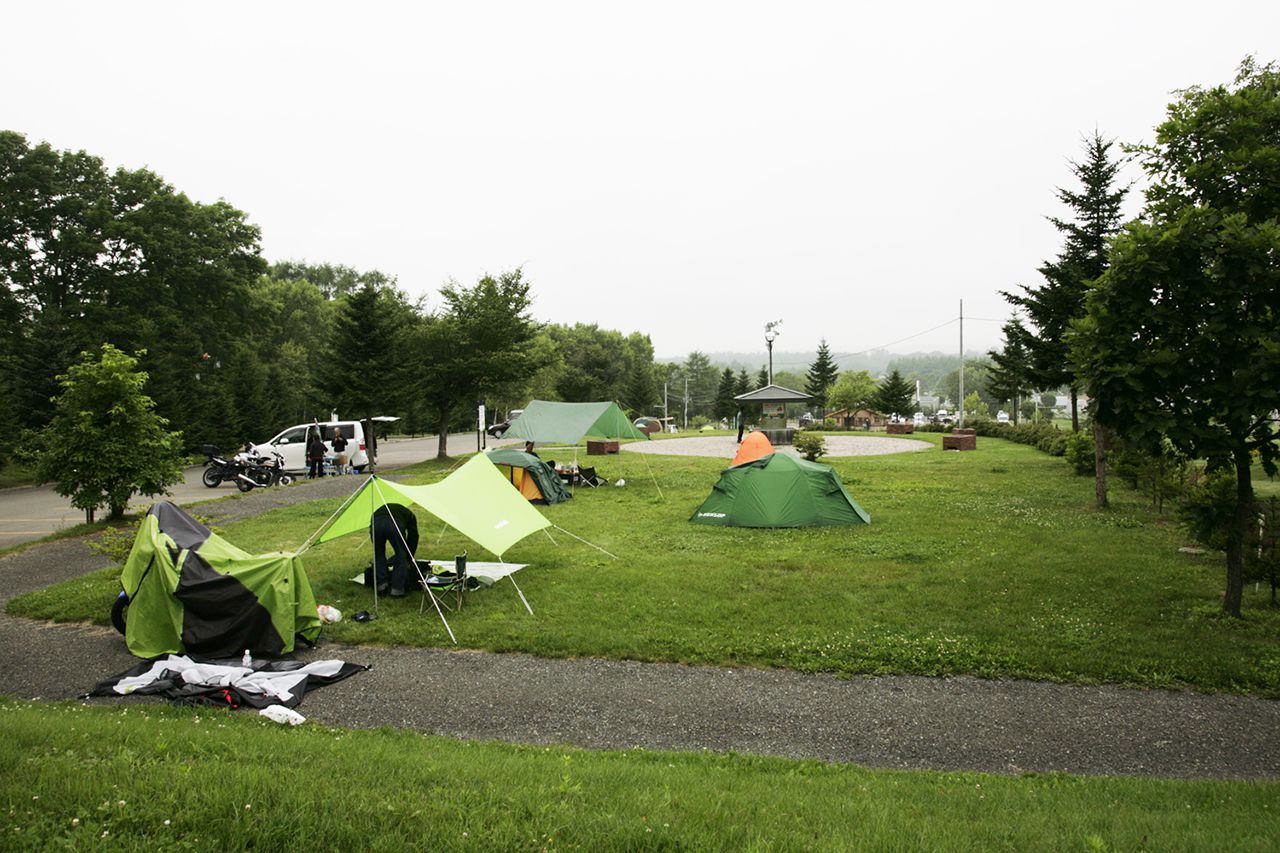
[
  {"x": 476, "y": 500},
  {"x": 567, "y": 423},
  {"x": 779, "y": 491}
]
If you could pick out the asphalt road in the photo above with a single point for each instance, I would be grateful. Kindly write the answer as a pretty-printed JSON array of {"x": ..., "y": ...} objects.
[{"x": 32, "y": 512}]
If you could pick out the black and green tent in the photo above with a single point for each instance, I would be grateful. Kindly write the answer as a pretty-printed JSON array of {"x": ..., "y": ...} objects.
[
  {"x": 191, "y": 591},
  {"x": 534, "y": 479},
  {"x": 779, "y": 491}
]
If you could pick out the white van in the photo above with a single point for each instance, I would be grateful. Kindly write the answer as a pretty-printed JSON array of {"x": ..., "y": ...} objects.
[{"x": 292, "y": 444}]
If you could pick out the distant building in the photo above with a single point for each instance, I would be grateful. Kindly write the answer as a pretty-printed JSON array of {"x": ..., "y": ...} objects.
[{"x": 857, "y": 419}]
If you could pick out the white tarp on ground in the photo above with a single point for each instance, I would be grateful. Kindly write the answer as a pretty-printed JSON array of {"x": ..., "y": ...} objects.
[{"x": 245, "y": 679}]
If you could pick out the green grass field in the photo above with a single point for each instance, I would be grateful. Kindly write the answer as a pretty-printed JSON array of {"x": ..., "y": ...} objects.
[
  {"x": 146, "y": 777},
  {"x": 992, "y": 562}
]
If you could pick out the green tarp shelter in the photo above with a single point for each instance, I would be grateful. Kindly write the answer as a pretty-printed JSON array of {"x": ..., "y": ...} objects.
[
  {"x": 567, "y": 423},
  {"x": 476, "y": 500},
  {"x": 532, "y": 477},
  {"x": 192, "y": 592},
  {"x": 779, "y": 491}
]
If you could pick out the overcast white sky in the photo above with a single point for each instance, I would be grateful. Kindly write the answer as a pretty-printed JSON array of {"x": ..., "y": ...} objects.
[{"x": 686, "y": 170}]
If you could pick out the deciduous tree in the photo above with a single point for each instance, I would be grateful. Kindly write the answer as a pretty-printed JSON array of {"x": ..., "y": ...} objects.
[
  {"x": 105, "y": 441},
  {"x": 1182, "y": 336}
]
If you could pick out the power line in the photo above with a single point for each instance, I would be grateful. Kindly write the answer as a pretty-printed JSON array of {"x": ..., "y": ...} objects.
[{"x": 884, "y": 346}]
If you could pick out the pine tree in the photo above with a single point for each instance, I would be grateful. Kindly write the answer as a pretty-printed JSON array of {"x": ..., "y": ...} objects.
[
  {"x": 744, "y": 382},
  {"x": 1009, "y": 378},
  {"x": 762, "y": 378},
  {"x": 1050, "y": 308},
  {"x": 725, "y": 405},
  {"x": 822, "y": 374},
  {"x": 895, "y": 396}
]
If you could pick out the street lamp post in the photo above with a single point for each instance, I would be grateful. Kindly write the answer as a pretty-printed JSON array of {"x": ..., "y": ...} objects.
[{"x": 770, "y": 334}]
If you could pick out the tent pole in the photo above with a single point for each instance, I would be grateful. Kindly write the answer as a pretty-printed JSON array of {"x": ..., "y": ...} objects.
[
  {"x": 329, "y": 520},
  {"x": 521, "y": 594},
  {"x": 552, "y": 538},
  {"x": 585, "y": 542}
]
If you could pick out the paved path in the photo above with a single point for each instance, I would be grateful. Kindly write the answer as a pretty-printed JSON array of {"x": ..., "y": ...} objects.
[
  {"x": 1001, "y": 726},
  {"x": 28, "y": 513}
]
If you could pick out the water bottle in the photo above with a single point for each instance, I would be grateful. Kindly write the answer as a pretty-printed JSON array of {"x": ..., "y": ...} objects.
[{"x": 247, "y": 660}]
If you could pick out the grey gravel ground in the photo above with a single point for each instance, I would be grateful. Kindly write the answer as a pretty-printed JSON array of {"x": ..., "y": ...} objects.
[{"x": 1001, "y": 726}]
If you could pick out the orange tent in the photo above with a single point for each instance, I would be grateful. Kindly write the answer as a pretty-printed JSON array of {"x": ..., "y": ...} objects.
[{"x": 752, "y": 448}]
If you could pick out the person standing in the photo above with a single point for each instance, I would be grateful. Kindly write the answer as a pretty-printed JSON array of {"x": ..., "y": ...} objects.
[
  {"x": 315, "y": 454},
  {"x": 339, "y": 452}
]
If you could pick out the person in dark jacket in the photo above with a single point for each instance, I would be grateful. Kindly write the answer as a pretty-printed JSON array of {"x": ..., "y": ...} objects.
[
  {"x": 315, "y": 454},
  {"x": 397, "y": 526},
  {"x": 339, "y": 452}
]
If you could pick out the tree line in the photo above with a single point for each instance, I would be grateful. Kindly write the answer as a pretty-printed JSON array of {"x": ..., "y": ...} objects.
[{"x": 1170, "y": 322}]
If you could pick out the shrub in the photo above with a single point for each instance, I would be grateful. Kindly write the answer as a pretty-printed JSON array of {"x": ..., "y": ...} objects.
[
  {"x": 811, "y": 445},
  {"x": 1207, "y": 508},
  {"x": 1080, "y": 452}
]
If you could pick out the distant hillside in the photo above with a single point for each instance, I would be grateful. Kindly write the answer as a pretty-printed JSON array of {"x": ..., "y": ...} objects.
[{"x": 877, "y": 362}]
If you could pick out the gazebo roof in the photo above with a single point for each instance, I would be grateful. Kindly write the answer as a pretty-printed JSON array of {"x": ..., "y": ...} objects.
[{"x": 773, "y": 394}]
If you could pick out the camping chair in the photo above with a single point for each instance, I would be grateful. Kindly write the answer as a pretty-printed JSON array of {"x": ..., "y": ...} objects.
[
  {"x": 589, "y": 477},
  {"x": 443, "y": 586}
]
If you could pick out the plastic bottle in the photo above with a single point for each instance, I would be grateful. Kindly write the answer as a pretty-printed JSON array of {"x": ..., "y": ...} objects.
[{"x": 247, "y": 660}]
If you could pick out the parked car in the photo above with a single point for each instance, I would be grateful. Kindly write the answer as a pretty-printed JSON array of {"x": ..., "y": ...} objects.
[
  {"x": 291, "y": 444},
  {"x": 496, "y": 430},
  {"x": 918, "y": 419},
  {"x": 648, "y": 425},
  {"x": 806, "y": 420},
  {"x": 1002, "y": 417}
]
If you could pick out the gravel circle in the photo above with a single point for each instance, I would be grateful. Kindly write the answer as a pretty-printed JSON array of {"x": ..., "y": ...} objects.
[
  {"x": 726, "y": 446},
  {"x": 959, "y": 723}
]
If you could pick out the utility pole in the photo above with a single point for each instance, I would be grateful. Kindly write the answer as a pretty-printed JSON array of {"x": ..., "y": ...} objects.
[
  {"x": 962, "y": 363},
  {"x": 686, "y": 402},
  {"x": 665, "y": 413}
]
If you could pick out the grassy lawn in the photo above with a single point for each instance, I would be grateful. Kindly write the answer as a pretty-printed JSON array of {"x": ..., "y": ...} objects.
[
  {"x": 992, "y": 562},
  {"x": 16, "y": 474},
  {"x": 144, "y": 777}
]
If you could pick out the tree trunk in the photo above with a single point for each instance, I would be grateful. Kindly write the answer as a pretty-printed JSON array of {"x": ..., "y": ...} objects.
[
  {"x": 443, "y": 449},
  {"x": 1101, "y": 436},
  {"x": 1075, "y": 410},
  {"x": 1239, "y": 533},
  {"x": 88, "y": 515}
]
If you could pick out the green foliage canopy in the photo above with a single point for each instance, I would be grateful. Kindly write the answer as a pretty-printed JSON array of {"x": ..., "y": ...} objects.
[
  {"x": 1182, "y": 336},
  {"x": 105, "y": 441}
]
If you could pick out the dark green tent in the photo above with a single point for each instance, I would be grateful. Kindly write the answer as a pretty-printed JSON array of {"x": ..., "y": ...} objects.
[
  {"x": 191, "y": 591},
  {"x": 779, "y": 491},
  {"x": 535, "y": 479}
]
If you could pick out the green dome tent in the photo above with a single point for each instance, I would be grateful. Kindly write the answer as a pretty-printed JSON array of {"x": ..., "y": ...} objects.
[
  {"x": 191, "y": 591},
  {"x": 533, "y": 478},
  {"x": 779, "y": 491}
]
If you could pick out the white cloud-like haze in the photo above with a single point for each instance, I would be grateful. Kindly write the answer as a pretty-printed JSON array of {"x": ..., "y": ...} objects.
[{"x": 690, "y": 171}]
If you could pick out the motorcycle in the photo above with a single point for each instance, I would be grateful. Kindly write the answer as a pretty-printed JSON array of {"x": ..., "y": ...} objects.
[
  {"x": 261, "y": 471},
  {"x": 217, "y": 467}
]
